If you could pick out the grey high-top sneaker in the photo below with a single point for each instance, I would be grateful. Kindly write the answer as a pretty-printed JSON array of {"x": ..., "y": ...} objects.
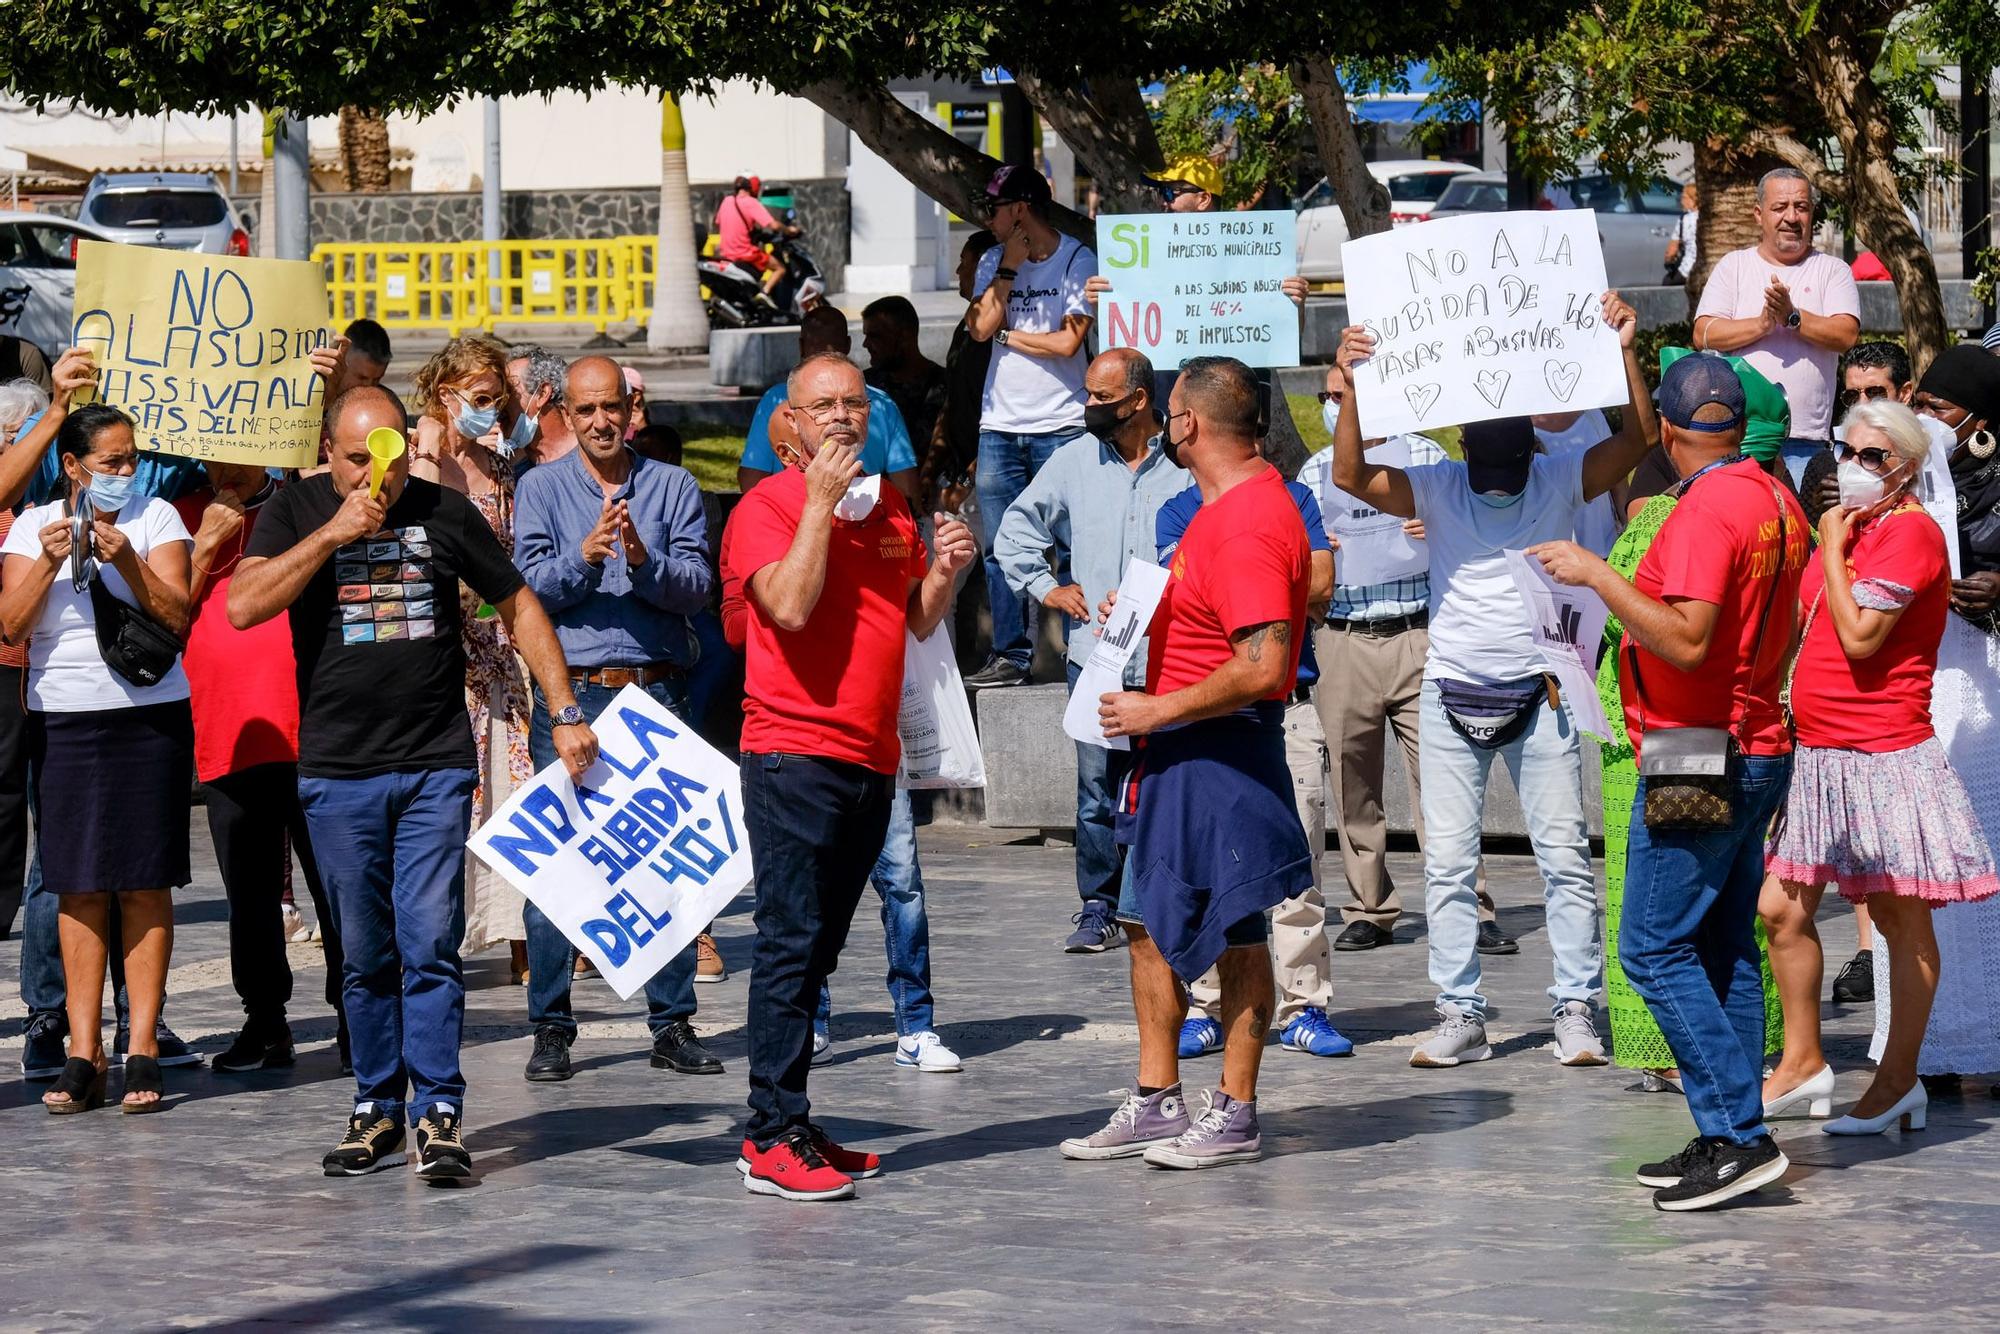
[
  {"x": 1225, "y": 1133},
  {"x": 1461, "y": 1037},
  {"x": 1137, "y": 1125}
]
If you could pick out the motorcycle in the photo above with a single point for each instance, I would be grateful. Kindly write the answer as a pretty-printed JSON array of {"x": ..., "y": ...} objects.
[{"x": 733, "y": 294}]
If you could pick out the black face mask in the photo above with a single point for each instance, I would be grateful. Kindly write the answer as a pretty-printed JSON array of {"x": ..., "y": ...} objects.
[
  {"x": 1170, "y": 446},
  {"x": 1101, "y": 419}
]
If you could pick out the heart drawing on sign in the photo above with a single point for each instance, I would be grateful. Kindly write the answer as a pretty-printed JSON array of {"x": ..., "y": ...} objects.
[
  {"x": 1492, "y": 385},
  {"x": 1561, "y": 376},
  {"x": 1421, "y": 397}
]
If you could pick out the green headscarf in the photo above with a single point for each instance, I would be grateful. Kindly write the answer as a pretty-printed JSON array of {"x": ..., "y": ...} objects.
[{"x": 1767, "y": 418}]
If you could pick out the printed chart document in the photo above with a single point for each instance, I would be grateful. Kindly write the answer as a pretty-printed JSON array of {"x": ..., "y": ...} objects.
[
  {"x": 1103, "y": 671},
  {"x": 1568, "y": 625},
  {"x": 1374, "y": 549}
]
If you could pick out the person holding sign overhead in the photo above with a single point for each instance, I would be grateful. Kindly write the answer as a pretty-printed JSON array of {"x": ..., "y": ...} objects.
[
  {"x": 1487, "y": 694},
  {"x": 386, "y": 760},
  {"x": 834, "y": 583}
]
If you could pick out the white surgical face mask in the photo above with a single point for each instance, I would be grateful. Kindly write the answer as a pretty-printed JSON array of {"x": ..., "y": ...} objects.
[
  {"x": 1329, "y": 412},
  {"x": 859, "y": 502},
  {"x": 1859, "y": 488}
]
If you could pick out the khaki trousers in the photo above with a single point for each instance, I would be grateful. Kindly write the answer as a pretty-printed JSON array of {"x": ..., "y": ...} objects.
[
  {"x": 1367, "y": 682},
  {"x": 1299, "y": 953}
]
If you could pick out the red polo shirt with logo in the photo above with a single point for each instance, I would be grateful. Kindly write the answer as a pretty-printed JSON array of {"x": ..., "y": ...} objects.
[{"x": 831, "y": 688}]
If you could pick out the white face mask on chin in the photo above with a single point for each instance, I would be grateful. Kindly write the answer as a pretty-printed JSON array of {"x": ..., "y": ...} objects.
[{"x": 859, "y": 502}]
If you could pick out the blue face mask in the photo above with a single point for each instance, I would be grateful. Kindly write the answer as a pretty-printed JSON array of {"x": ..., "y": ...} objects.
[
  {"x": 1329, "y": 412},
  {"x": 109, "y": 491},
  {"x": 520, "y": 436},
  {"x": 1498, "y": 502},
  {"x": 472, "y": 423}
]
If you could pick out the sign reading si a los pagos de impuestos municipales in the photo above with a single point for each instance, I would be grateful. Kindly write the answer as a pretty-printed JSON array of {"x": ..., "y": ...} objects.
[
  {"x": 1199, "y": 285},
  {"x": 208, "y": 354}
]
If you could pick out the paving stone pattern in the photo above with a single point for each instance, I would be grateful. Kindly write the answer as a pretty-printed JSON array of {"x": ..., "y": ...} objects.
[{"x": 1493, "y": 1196}]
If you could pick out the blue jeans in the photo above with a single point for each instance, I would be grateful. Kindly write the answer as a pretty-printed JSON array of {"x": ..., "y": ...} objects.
[
  {"x": 1687, "y": 938},
  {"x": 1099, "y": 862},
  {"x": 906, "y": 930},
  {"x": 1546, "y": 768},
  {"x": 391, "y": 851},
  {"x": 1007, "y": 463},
  {"x": 1797, "y": 454},
  {"x": 669, "y": 992},
  {"x": 816, "y": 827}
]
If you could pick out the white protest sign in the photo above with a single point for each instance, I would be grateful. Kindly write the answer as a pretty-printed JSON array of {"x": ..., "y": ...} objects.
[
  {"x": 1568, "y": 626},
  {"x": 1936, "y": 489},
  {"x": 634, "y": 861},
  {"x": 1373, "y": 546},
  {"x": 1199, "y": 284},
  {"x": 1480, "y": 316},
  {"x": 1103, "y": 672}
]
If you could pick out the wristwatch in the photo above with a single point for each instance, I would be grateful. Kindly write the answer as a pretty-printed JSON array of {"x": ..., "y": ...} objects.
[
  {"x": 567, "y": 716},
  {"x": 1792, "y": 320},
  {"x": 1001, "y": 338}
]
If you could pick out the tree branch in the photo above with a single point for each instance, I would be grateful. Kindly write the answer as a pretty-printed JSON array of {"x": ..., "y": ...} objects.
[
  {"x": 1363, "y": 200},
  {"x": 1120, "y": 176},
  {"x": 1794, "y": 153}
]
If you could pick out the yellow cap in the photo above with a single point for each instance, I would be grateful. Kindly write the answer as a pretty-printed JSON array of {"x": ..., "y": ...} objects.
[{"x": 1196, "y": 171}]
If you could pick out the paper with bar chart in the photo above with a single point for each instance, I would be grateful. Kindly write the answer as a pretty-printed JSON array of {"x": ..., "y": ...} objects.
[
  {"x": 1103, "y": 672},
  {"x": 1568, "y": 626}
]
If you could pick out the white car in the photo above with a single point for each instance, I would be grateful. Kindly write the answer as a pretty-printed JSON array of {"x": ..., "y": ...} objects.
[
  {"x": 38, "y": 277},
  {"x": 1414, "y": 186}
]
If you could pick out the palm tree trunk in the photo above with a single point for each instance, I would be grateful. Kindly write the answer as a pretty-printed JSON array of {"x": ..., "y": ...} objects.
[
  {"x": 677, "y": 323},
  {"x": 364, "y": 149}
]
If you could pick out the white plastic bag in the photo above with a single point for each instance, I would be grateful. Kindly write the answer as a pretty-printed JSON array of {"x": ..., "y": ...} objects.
[{"x": 940, "y": 744}]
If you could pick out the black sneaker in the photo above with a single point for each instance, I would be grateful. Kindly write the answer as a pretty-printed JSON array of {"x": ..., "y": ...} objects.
[
  {"x": 1725, "y": 1171},
  {"x": 1669, "y": 1171},
  {"x": 258, "y": 1047},
  {"x": 1856, "y": 983},
  {"x": 1362, "y": 936},
  {"x": 1493, "y": 941},
  {"x": 441, "y": 1155},
  {"x": 996, "y": 673},
  {"x": 372, "y": 1142},
  {"x": 677, "y": 1048},
  {"x": 172, "y": 1050},
  {"x": 550, "y": 1063},
  {"x": 42, "y": 1053}
]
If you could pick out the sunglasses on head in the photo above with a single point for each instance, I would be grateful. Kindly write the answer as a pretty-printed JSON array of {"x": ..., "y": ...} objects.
[{"x": 1871, "y": 458}]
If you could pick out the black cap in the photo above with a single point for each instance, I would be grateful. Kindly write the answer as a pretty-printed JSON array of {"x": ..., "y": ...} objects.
[
  {"x": 1498, "y": 453},
  {"x": 1016, "y": 184}
]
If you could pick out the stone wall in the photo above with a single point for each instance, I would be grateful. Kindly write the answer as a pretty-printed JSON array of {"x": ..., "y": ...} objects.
[{"x": 568, "y": 214}]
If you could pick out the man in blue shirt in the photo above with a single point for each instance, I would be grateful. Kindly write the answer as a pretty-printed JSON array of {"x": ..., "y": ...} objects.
[
  {"x": 1300, "y": 957},
  {"x": 886, "y": 450},
  {"x": 614, "y": 545}
]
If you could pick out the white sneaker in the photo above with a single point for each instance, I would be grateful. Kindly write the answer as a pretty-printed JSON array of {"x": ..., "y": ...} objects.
[
  {"x": 296, "y": 930},
  {"x": 1577, "y": 1042},
  {"x": 926, "y": 1051},
  {"x": 1460, "y": 1037},
  {"x": 822, "y": 1048}
]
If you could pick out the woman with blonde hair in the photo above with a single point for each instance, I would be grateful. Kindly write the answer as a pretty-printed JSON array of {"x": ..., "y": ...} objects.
[
  {"x": 1875, "y": 805},
  {"x": 463, "y": 396}
]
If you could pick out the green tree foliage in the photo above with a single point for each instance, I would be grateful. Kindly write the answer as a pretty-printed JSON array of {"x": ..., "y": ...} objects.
[{"x": 1249, "y": 120}]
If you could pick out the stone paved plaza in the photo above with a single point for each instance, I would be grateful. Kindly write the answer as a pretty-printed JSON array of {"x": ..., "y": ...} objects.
[{"x": 1492, "y": 1196}]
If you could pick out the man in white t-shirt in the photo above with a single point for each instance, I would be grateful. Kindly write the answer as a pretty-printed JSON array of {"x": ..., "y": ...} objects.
[
  {"x": 1486, "y": 691},
  {"x": 1787, "y": 309},
  {"x": 1028, "y": 301}
]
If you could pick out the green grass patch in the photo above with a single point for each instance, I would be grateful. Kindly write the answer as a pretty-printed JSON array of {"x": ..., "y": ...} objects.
[
  {"x": 711, "y": 453},
  {"x": 1312, "y": 427}
]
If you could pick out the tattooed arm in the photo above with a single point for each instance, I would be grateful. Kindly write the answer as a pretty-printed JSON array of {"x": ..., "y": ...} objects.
[{"x": 1261, "y": 661}]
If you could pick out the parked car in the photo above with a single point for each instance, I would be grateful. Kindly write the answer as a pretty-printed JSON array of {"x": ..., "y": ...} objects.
[
  {"x": 1633, "y": 225},
  {"x": 1414, "y": 186},
  {"x": 38, "y": 277},
  {"x": 169, "y": 209}
]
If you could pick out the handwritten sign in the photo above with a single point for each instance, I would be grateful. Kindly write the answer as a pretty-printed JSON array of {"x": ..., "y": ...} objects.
[
  {"x": 634, "y": 861},
  {"x": 1481, "y": 316},
  {"x": 1568, "y": 626},
  {"x": 1103, "y": 672},
  {"x": 1199, "y": 285},
  {"x": 208, "y": 353}
]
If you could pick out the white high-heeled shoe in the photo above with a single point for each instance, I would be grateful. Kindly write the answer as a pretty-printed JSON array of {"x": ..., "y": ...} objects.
[
  {"x": 1911, "y": 1108},
  {"x": 1816, "y": 1093}
]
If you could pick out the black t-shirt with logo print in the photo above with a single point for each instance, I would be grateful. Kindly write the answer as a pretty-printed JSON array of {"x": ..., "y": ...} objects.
[{"x": 376, "y": 631}]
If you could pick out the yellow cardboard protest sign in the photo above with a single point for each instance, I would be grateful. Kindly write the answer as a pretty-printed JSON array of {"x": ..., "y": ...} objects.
[{"x": 208, "y": 353}]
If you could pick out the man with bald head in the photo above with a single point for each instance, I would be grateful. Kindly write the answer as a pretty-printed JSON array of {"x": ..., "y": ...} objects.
[
  {"x": 885, "y": 449},
  {"x": 1094, "y": 504},
  {"x": 615, "y": 546},
  {"x": 386, "y": 765}
]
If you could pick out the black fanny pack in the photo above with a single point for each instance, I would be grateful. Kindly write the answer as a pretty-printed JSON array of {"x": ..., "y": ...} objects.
[{"x": 1491, "y": 716}]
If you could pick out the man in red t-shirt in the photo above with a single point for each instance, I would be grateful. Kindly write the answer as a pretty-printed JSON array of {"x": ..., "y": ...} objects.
[
  {"x": 245, "y": 693},
  {"x": 1708, "y": 624},
  {"x": 831, "y": 572},
  {"x": 737, "y": 222},
  {"x": 1214, "y": 835}
]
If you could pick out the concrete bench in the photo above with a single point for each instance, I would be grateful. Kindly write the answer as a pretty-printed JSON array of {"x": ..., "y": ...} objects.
[{"x": 1031, "y": 770}]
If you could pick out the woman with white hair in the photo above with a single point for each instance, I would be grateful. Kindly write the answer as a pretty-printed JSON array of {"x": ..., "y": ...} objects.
[
  {"x": 1875, "y": 805},
  {"x": 20, "y": 402}
]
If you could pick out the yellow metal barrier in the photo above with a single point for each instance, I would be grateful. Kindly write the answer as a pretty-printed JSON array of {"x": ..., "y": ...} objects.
[{"x": 461, "y": 285}]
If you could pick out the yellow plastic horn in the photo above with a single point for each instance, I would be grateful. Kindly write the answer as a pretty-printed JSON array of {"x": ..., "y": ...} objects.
[{"x": 385, "y": 446}]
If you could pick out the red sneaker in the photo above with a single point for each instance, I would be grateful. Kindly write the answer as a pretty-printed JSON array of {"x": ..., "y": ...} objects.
[
  {"x": 794, "y": 1169},
  {"x": 857, "y": 1163}
]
